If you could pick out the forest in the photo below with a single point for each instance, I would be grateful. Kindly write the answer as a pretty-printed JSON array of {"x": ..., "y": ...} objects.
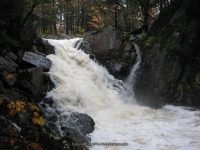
[{"x": 79, "y": 16}]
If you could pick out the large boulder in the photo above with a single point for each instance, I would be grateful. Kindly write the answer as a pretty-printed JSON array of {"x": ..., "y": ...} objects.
[
  {"x": 110, "y": 50},
  {"x": 37, "y": 60},
  {"x": 81, "y": 122},
  {"x": 170, "y": 69},
  {"x": 34, "y": 82},
  {"x": 103, "y": 42},
  {"x": 74, "y": 126},
  {"x": 42, "y": 46}
]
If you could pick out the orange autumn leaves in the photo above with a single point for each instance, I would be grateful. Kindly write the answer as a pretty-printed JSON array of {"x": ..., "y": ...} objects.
[
  {"x": 96, "y": 21},
  {"x": 19, "y": 106}
]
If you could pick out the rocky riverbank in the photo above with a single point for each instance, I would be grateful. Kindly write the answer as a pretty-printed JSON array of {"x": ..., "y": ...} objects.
[{"x": 28, "y": 120}]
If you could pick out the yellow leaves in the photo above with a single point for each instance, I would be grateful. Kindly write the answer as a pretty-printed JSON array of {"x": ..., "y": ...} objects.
[
  {"x": 37, "y": 118},
  {"x": 33, "y": 107},
  {"x": 38, "y": 121},
  {"x": 17, "y": 106},
  {"x": 20, "y": 106}
]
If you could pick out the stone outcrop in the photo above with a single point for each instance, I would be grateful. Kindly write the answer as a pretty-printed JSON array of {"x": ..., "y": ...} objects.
[
  {"x": 34, "y": 81},
  {"x": 7, "y": 64},
  {"x": 81, "y": 122},
  {"x": 42, "y": 46},
  {"x": 37, "y": 59},
  {"x": 170, "y": 69},
  {"x": 111, "y": 50}
]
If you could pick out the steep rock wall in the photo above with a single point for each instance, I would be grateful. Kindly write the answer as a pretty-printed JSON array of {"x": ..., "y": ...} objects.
[{"x": 170, "y": 69}]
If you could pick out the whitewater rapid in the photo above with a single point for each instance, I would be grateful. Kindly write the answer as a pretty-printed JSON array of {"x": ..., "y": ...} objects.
[{"x": 83, "y": 85}]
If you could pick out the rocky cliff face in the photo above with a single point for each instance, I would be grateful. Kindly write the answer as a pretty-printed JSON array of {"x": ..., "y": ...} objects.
[{"x": 170, "y": 69}]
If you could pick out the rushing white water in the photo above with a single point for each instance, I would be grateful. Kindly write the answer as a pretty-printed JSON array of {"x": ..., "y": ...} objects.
[{"x": 84, "y": 86}]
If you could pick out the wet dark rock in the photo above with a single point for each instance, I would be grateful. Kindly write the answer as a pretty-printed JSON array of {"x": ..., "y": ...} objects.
[
  {"x": 9, "y": 78},
  {"x": 48, "y": 101},
  {"x": 81, "y": 122},
  {"x": 52, "y": 115},
  {"x": 23, "y": 118},
  {"x": 78, "y": 140},
  {"x": 103, "y": 42},
  {"x": 37, "y": 60},
  {"x": 12, "y": 56},
  {"x": 111, "y": 51},
  {"x": 43, "y": 46},
  {"x": 85, "y": 46},
  {"x": 170, "y": 69},
  {"x": 28, "y": 33},
  {"x": 34, "y": 81},
  {"x": 119, "y": 68},
  {"x": 10, "y": 128},
  {"x": 7, "y": 64}
]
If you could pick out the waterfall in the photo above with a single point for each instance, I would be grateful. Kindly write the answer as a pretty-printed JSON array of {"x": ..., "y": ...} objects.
[
  {"x": 130, "y": 81},
  {"x": 83, "y": 85}
]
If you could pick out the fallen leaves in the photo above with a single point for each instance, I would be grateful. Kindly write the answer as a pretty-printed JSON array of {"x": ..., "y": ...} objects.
[
  {"x": 33, "y": 107},
  {"x": 16, "y": 106},
  {"x": 19, "y": 106},
  {"x": 38, "y": 120}
]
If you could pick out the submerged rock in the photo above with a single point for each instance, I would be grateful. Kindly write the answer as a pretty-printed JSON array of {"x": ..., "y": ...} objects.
[{"x": 81, "y": 122}]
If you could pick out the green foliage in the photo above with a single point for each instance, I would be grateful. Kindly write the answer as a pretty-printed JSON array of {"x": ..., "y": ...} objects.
[
  {"x": 125, "y": 36},
  {"x": 150, "y": 41}
]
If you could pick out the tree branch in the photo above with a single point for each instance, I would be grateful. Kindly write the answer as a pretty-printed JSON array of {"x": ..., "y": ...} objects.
[{"x": 29, "y": 13}]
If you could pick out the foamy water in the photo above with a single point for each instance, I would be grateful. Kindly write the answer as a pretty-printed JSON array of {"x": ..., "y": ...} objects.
[{"x": 84, "y": 86}]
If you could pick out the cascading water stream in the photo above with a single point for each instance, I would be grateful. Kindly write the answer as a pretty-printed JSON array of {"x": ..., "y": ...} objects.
[
  {"x": 84, "y": 86},
  {"x": 130, "y": 81}
]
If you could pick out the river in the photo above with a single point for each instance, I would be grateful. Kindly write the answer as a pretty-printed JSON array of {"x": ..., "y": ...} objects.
[{"x": 120, "y": 123}]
